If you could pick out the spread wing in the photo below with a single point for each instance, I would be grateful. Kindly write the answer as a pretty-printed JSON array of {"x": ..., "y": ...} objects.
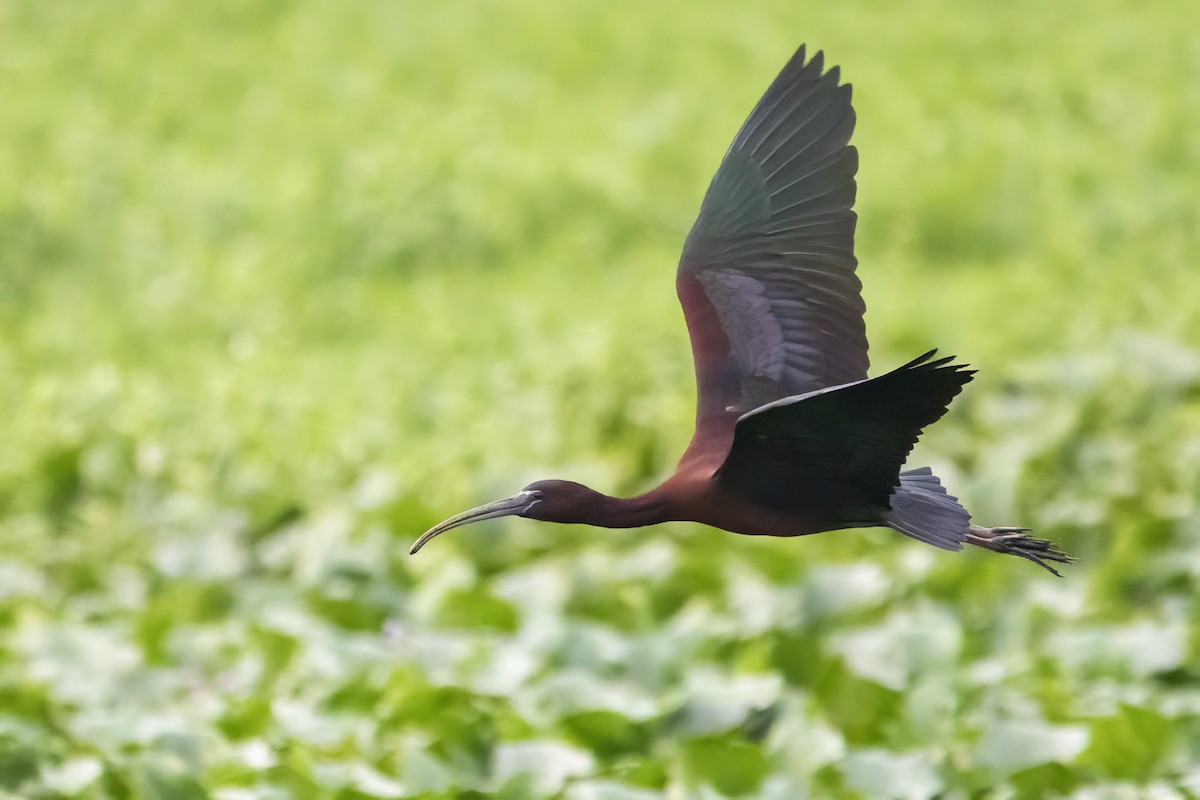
[{"x": 767, "y": 279}]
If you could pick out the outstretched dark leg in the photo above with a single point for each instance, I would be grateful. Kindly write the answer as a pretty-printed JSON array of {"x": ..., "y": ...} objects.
[{"x": 1018, "y": 542}]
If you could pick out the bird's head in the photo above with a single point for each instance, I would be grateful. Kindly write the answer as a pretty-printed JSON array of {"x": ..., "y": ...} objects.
[{"x": 550, "y": 501}]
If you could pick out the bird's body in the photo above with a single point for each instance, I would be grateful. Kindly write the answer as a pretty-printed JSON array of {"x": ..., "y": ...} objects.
[{"x": 791, "y": 436}]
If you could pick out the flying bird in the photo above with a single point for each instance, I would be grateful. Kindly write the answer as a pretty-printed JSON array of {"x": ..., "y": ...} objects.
[{"x": 791, "y": 436}]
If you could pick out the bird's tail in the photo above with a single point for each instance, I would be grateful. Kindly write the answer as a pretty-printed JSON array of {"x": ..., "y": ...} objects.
[{"x": 923, "y": 509}]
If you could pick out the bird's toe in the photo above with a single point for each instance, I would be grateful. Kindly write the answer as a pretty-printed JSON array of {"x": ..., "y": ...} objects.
[{"x": 1017, "y": 542}]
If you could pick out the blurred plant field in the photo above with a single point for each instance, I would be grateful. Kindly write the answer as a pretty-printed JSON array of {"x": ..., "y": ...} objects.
[{"x": 284, "y": 284}]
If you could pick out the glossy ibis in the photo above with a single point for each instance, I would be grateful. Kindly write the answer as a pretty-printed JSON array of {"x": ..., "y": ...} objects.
[{"x": 791, "y": 436}]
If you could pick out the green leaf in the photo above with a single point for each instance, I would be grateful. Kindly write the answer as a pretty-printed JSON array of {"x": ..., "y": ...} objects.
[
  {"x": 246, "y": 718},
  {"x": 606, "y": 733},
  {"x": 730, "y": 763},
  {"x": 863, "y": 710},
  {"x": 1130, "y": 744},
  {"x": 471, "y": 609},
  {"x": 1045, "y": 780}
]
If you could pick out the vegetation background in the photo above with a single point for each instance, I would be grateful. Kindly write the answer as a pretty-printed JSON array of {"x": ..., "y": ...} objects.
[{"x": 283, "y": 284}]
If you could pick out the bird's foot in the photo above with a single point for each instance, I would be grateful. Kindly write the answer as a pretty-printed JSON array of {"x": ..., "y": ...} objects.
[{"x": 1018, "y": 542}]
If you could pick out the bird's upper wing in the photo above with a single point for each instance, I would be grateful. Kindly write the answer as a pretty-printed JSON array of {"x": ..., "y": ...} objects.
[{"x": 767, "y": 278}]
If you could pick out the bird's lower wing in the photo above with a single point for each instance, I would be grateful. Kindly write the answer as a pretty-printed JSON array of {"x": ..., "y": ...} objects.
[{"x": 839, "y": 450}]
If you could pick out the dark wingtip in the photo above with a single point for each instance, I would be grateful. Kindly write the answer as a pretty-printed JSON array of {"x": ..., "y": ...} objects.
[
  {"x": 941, "y": 362},
  {"x": 850, "y": 152},
  {"x": 817, "y": 62},
  {"x": 923, "y": 362},
  {"x": 797, "y": 63},
  {"x": 921, "y": 359}
]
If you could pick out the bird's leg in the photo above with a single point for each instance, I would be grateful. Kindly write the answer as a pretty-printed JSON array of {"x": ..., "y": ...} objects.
[{"x": 1018, "y": 542}]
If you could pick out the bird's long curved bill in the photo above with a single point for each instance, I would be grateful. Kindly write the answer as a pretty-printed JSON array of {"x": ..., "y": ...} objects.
[{"x": 501, "y": 508}]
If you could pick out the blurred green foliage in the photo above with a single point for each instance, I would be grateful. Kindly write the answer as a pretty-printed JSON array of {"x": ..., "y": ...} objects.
[{"x": 283, "y": 284}]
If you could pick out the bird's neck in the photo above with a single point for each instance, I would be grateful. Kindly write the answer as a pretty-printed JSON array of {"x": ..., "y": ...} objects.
[{"x": 632, "y": 512}]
